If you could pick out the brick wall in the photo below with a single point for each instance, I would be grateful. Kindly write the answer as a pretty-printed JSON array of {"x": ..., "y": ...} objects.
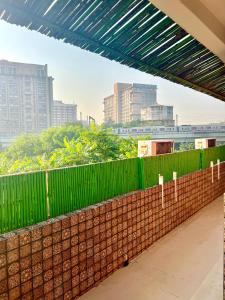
[{"x": 66, "y": 256}]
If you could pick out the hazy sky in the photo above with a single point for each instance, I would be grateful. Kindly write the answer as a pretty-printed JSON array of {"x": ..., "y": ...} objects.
[{"x": 86, "y": 78}]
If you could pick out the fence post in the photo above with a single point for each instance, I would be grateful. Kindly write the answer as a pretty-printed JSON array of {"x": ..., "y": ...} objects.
[
  {"x": 175, "y": 184},
  {"x": 141, "y": 173},
  {"x": 211, "y": 166},
  {"x": 161, "y": 182},
  {"x": 218, "y": 169},
  {"x": 47, "y": 195}
]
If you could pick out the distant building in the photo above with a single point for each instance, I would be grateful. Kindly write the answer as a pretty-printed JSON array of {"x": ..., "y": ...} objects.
[
  {"x": 157, "y": 112},
  {"x": 109, "y": 110},
  {"x": 136, "y": 102},
  {"x": 134, "y": 98},
  {"x": 125, "y": 104},
  {"x": 26, "y": 96},
  {"x": 63, "y": 113}
]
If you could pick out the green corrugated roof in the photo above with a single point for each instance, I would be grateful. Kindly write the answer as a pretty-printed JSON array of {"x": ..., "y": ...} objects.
[{"x": 132, "y": 32}]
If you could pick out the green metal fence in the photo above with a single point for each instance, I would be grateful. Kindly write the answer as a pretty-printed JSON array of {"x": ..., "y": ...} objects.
[
  {"x": 77, "y": 187},
  {"x": 29, "y": 198},
  {"x": 180, "y": 162},
  {"x": 212, "y": 154},
  {"x": 22, "y": 200}
]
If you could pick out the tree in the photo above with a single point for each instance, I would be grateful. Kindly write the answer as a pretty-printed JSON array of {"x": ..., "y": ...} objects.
[
  {"x": 25, "y": 146},
  {"x": 53, "y": 138},
  {"x": 66, "y": 146}
]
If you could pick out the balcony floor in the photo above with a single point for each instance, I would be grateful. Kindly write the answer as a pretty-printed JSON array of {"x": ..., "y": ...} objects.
[{"x": 185, "y": 264}]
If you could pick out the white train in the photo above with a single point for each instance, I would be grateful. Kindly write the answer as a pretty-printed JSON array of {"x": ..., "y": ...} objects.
[{"x": 176, "y": 129}]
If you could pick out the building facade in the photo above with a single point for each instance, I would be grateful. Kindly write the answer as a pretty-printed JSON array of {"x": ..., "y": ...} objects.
[
  {"x": 134, "y": 99},
  {"x": 136, "y": 102},
  {"x": 109, "y": 111},
  {"x": 63, "y": 113},
  {"x": 158, "y": 113},
  {"x": 125, "y": 104},
  {"x": 26, "y": 98}
]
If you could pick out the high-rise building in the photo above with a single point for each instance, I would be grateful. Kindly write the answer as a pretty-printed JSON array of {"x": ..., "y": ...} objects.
[
  {"x": 26, "y": 96},
  {"x": 127, "y": 101},
  {"x": 109, "y": 110},
  {"x": 119, "y": 89},
  {"x": 63, "y": 113},
  {"x": 134, "y": 98},
  {"x": 158, "y": 112}
]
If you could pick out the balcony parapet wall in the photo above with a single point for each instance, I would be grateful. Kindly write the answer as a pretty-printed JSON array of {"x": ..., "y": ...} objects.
[{"x": 64, "y": 257}]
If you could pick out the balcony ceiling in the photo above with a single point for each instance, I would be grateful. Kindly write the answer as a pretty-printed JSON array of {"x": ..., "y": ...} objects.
[
  {"x": 132, "y": 32},
  {"x": 206, "y": 15}
]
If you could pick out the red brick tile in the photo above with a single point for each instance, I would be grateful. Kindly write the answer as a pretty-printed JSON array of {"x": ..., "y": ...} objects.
[
  {"x": 12, "y": 241},
  {"x": 12, "y": 256},
  {"x": 26, "y": 287},
  {"x": 36, "y": 233},
  {"x": 26, "y": 274},
  {"x": 38, "y": 292},
  {"x": 49, "y": 296},
  {"x": 48, "y": 286},
  {"x": 36, "y": 246},
  {"x": 2, "y": 245},
  {"x": 47, "y": 264},
  {"x": 75, "y": 281},
  {"x": 28, "y": 296},
  {"x": 13, "y": 281},
  {"x": 13, "y": 268},
  {"x": 37, "y": 269},
  {"x": 57, "y": 270},
  {"x": 47, "y": 252},
  {"x": 56, "y": 226},
  {"x": 14, "y": 293},
  {"x": 74, "y": 230},
  {"x": 74, "y": 219},
  {"x": 24, "y": 237},
  {"x": 25, "y": 250},
  {"x": 37, "y": 281},
  {"x": 67, "y": 275},
  {"x": 76, "y": 291},
  {"x": 47, "y": 241},
  {"x": 56, "y": 237}
]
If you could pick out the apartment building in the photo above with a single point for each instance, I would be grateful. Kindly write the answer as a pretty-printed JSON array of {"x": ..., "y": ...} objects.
[
  {"x": 134, "y": 99},
  {"x": 26, "y": 98},
  {"x": 127, "y": 101},
  {"x": 109, "y": 111},
  {"x": 158, "y": 112},
  {"x": 63, "y": 113}
]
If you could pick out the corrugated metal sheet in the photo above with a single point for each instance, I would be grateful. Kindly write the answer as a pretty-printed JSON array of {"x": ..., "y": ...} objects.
[
  {"x": 212, "y": 154},
  {"x": 132, "y": 32},
  {"x": 22, "y": 200},
  {"x": 78, "y": 187}
]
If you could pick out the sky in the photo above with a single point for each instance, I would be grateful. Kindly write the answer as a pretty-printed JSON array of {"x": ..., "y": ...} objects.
[{"x": 86, "y": 78}]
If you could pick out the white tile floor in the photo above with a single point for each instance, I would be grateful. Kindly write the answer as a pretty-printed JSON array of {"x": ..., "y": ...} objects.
[{"x": 185, "y": 264}]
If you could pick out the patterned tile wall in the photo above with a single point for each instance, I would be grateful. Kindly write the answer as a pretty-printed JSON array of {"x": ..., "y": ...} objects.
[{"x": 66, "y": 256}]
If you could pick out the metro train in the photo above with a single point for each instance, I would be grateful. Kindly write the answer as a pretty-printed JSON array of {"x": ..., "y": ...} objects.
[{"x": 181, "y": 128}]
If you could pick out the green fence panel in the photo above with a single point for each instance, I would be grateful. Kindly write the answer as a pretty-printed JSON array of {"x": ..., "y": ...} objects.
[
  {"x": 77, "y": 187},
  {"x": 22, "y": 200},
  {"x": 181, "y": 162},
  {"x": 212, "y": 154},
  {"x": 23, "y": 197}
]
